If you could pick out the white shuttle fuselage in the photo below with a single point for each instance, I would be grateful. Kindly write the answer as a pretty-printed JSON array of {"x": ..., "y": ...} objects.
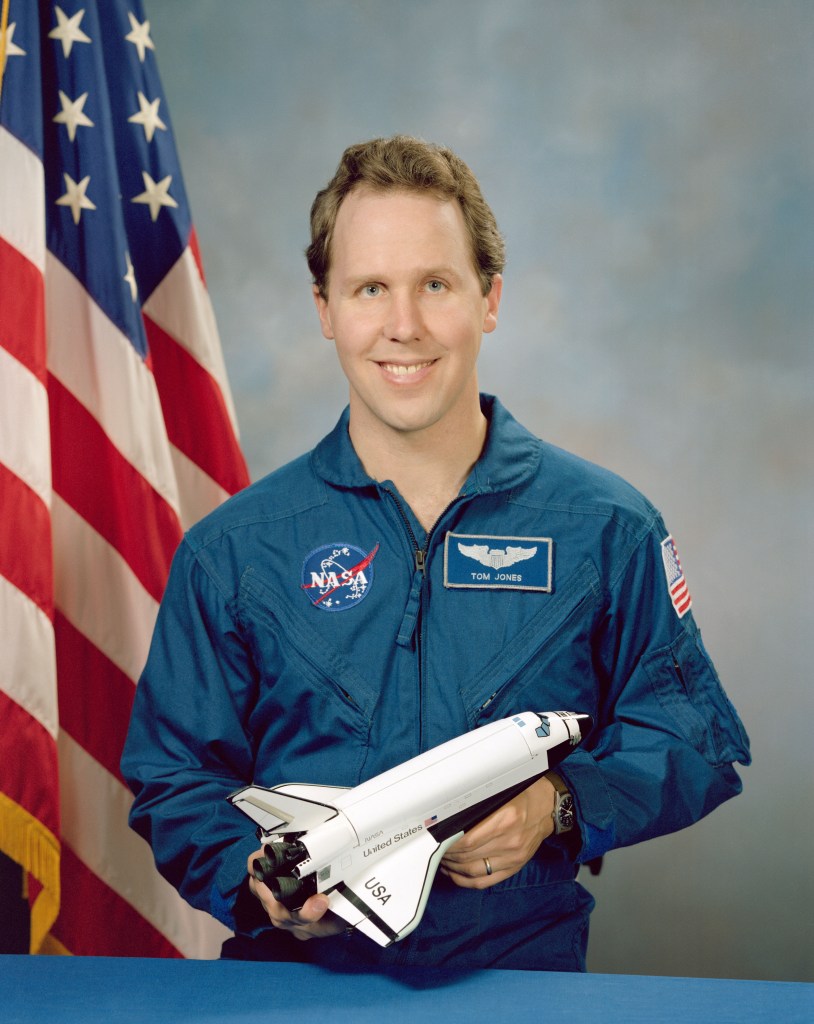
[{"x": 375, "y": 848}]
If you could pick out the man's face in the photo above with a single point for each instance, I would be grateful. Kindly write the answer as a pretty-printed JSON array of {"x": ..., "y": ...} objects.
[{"x": 406, "y": 311}]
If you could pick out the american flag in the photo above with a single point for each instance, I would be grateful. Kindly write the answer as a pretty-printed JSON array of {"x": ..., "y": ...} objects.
[
  {"x": 116, "y": 433},
  {"x": 676, "y": 583}
]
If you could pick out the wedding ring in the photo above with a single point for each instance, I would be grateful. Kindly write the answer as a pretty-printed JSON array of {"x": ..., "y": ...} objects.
[{"x": 488, "y": 865}]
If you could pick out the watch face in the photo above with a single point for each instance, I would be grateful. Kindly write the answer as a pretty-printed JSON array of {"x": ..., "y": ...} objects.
[{"x": 565, "y": 813}]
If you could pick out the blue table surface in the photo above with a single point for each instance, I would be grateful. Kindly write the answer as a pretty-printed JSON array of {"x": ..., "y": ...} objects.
[{"x": 84, "y": 990}]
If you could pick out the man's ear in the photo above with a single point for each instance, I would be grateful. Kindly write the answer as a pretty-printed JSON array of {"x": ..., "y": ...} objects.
[
  {"x": 492, "y": 304},
  {"x": 322, "y": 312}
]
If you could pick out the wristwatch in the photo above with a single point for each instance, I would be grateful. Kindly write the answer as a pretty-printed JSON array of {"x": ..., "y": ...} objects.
[{"x": 563, "y": 813}]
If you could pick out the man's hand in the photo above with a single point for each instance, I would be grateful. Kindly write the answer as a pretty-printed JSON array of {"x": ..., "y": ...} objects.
[
  {"x": 504, "y": 841},
  {"x": 312, "y": 921}
]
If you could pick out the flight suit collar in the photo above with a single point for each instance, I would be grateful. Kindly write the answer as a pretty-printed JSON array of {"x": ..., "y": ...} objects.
[{"x": 510, "y": 456}]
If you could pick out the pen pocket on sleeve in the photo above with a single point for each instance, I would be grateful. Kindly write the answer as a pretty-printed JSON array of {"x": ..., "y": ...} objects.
[{"x": 689, "y": 690}]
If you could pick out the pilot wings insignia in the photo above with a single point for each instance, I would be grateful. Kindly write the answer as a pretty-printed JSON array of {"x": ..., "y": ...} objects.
[{"x": 496, "y": 558}]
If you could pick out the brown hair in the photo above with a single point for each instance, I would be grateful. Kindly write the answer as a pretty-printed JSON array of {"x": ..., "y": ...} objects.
[{"x": 409, "y": 164}]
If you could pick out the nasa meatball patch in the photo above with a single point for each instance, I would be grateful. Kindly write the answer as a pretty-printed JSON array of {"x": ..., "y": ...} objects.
[
  {"x": 479, "y": 562},
  {"x": 338, "y": 576}
]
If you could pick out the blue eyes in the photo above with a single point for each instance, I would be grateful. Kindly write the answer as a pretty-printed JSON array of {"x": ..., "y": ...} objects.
[{"x": 372, "y": 291}]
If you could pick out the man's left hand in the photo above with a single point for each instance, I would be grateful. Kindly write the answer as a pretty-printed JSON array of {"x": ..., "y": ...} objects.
[{"x": 503, "y": 842}]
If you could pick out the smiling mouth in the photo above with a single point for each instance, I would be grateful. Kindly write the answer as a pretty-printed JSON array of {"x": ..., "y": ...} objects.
[{"x": 405, "y": 370}]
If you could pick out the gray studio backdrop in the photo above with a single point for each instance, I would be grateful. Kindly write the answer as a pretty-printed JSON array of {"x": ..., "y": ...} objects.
[{"x": 650, "y": 163}]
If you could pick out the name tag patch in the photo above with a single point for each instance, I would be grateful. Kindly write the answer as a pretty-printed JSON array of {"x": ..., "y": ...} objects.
[{"x": 478, "y": 562}]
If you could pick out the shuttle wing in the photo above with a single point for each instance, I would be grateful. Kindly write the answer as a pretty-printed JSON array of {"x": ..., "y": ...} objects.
[
  {"x": 295, "y": 807},
  {"x": 386, "y": 901}
]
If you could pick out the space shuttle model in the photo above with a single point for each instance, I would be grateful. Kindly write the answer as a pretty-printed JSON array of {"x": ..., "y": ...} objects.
[{"x": 374, "y": 849}]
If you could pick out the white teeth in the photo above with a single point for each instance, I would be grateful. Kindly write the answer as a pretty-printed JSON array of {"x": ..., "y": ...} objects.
[{"x": 400, "y": 370}]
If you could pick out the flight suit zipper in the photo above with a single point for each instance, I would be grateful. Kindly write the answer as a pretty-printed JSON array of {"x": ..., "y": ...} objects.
[{"x": 412, "y": 624}]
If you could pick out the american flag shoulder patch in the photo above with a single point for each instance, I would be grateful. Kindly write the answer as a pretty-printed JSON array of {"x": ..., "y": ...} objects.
[{"x": 676, "y": 583}]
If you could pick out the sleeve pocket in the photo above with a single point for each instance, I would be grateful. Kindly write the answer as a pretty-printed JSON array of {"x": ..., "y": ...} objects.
[{"x": 688, "y": 689}]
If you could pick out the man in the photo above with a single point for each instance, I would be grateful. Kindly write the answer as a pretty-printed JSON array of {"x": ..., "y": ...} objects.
[{"x": 266, "y": 668}]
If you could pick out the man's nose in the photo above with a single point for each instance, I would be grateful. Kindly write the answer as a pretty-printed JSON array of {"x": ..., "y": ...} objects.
[{"x": 403, "y": 321}]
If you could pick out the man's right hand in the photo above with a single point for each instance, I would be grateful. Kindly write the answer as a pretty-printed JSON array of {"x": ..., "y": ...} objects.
[{"x": 313, "y": 920}]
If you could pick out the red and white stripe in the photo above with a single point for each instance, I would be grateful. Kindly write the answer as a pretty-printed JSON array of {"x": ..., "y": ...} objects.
[
  {"x": 29, "y": 799},
  {"x": 680, "y": 595},
  {"x": 104, "y": 459}
]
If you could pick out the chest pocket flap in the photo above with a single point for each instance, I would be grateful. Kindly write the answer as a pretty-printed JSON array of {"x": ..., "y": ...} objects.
[
  {"x": 571, "y": 606},
  {"x": 262, "y": 603}
]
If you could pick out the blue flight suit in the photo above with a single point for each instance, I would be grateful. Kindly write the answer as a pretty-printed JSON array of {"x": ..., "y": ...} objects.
[{"x": 312, "y": 632}]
